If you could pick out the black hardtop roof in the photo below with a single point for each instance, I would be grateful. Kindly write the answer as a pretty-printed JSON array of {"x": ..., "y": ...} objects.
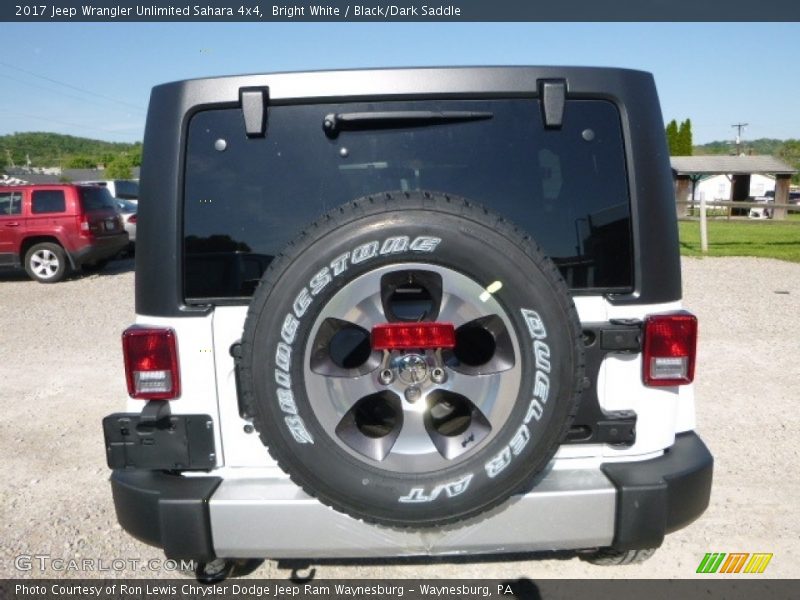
[
  {"x": 406, "y": 82},
  {"x": 565, "y": 70}
]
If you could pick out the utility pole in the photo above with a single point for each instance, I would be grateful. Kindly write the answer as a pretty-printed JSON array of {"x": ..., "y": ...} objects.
[{"x": 739, "y": 127}]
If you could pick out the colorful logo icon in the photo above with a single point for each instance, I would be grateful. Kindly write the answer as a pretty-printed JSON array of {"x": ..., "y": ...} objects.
[{"x": 734, "y": 562}]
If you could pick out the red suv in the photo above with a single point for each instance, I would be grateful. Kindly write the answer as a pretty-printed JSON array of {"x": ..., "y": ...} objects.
[{"x": 50, "y": 229}]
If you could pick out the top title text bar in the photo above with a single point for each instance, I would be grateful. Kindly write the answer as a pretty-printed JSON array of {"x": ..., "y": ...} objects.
[{"x": 399, "y": 10}]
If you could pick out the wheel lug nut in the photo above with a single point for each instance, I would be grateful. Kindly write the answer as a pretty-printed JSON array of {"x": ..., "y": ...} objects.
[
  {"x": 386, "y": 376},
  {"x": 412, "y": 394},
  {"x": 438, "y": 375}
]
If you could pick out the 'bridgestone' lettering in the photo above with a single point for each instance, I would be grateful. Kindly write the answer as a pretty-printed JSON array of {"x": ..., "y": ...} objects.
[
  {"x": 339, "y": 264},
  {"x": 283, "y": 356},
  {"x": 320, "y": 280},
  {"x": 286, "y": 401},
  {"x": 395, "y": 244},
  {"x": 289, "y": 329},
  {"x": 301, "y": 303},
  {"x": 291, "y": 323},
  {"x": 364, "y": 252},
  {"x": 425, "y": 244}
]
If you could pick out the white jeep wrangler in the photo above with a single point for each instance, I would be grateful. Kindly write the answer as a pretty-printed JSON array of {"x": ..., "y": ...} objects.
[{"x": 407, "y": 312}]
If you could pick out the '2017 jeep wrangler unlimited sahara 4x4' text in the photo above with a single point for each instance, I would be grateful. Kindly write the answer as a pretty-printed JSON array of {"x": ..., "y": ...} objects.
[{"x": 412, "y": 311}]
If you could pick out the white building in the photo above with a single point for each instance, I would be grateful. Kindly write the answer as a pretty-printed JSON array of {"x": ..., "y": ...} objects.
[
  {"x": 729, "y": 178},
  {"x": 718, "y": 187}
]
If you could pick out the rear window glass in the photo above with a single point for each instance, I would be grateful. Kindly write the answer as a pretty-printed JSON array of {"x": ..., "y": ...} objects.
[
  {"x": 126, "y": 189},
  {"x": 245, "y": 199},
  {"x": 48, "y": 201},
  {"x": 96, "y": 198},
  {"x": 126, "y": 206}
]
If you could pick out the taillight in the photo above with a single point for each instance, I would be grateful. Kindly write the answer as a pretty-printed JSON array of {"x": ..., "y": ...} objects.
[
  {"x": 132, "y": 219},
  {"x": 406, "y": 336},
  {"x": 670, "y": 346},
  {"x": 151, "y": 363},
  {"x": 84, "y": 225}
]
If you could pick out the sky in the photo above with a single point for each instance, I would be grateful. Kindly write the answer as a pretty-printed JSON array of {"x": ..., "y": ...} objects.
[{"x": 94, "y": 80}]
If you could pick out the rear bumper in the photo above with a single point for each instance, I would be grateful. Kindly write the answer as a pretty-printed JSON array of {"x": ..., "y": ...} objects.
[
  {"x": 167, "y": 511},
  {"x": 661, "y": 495},
  {"x": 100, "y": 248},
  {"x": 624, "y": 505},
  {"x": 130, "y": 229}
]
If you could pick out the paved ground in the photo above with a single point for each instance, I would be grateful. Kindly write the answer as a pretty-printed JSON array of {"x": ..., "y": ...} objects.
[{"x": 61, "y": 372}]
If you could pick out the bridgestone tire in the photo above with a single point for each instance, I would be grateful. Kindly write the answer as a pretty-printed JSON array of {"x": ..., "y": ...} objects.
[{"x": 456, "y": 237}]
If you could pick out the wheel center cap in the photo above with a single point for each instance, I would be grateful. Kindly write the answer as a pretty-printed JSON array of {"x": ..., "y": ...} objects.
[{"x": 412, "y": 369}]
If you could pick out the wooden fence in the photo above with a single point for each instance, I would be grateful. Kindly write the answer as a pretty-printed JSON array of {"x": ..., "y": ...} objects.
[{"x": 779, "y": 211}]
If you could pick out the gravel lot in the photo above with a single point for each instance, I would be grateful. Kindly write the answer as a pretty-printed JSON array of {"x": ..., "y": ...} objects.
[{"x": 61, "y": 372}]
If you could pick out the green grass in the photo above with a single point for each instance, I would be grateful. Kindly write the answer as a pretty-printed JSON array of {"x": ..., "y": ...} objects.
[{"x": 770, "y": 239}]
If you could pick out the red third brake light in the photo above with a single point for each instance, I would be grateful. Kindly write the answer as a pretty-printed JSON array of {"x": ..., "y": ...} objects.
[
  {"x": 670, "y": 346},
  {"x": 407, "y": 336},
  {"x": 151, "y": 363}
]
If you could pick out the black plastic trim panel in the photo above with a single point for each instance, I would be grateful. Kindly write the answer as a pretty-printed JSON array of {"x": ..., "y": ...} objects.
[
  {"x": 592, "y": 424},
  {"x": 100, "y": 249},
  {"x": 170, "y": 442},
  {"x": 10, "y": 260},
  {"x": 167, "y": 511},
  {"x": 662, "y": 495},
  {"x": 159, "y": 274}
]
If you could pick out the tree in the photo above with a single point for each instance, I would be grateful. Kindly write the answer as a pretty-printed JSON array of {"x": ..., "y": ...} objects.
[
  {"x": 672, "y": 137},
  {"x": 679, "y": 138},
  {"x": 136, "y": 155},
  {"x": 119, "y": 168},
  {"x": 790, "y": 152},
  {"x": 80, "y": 162},
  {"x": 688, "y": 138},
  {"x": 684, "y": 139},
  {"x": 106, "y": 158},
  {"x": 50, "y": 149}
]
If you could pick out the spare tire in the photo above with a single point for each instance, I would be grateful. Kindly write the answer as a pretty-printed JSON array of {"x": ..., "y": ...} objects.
[{"x": 412, "y": 437}]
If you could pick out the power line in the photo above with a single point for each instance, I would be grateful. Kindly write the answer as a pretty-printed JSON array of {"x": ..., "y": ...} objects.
[
  {"x": 74, "y": 87},
  {"x": 50, "y": 89},
  {"x": 16, "y": 114}
]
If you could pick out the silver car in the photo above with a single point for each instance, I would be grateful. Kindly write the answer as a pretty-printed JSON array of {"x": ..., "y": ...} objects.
[{"x": 128, "y": 210}]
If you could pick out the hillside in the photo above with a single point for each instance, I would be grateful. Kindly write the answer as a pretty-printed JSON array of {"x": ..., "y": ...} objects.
[
  {"x": 759, "y": 146},
  {"x": 53, "y": 149}
]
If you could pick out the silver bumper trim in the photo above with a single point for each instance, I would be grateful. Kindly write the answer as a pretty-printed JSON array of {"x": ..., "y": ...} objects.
[{"x": 273, "y": 518}]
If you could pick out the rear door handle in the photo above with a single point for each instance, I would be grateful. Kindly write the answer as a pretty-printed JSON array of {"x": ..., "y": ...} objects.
[{"x": 13, "y": 224}]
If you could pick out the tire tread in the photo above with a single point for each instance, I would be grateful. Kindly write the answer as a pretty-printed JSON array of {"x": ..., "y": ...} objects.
[{"x": 374, "y": 205}]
